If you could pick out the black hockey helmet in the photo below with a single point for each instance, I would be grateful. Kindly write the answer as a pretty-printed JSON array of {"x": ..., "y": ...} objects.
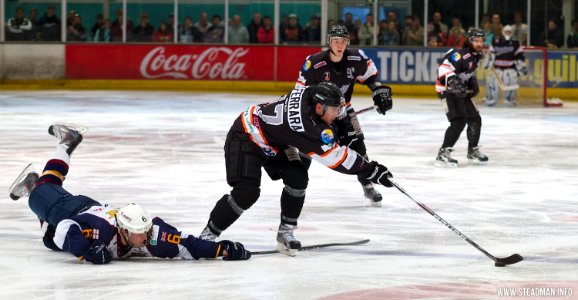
[
  {"x": 475, "y": 32},
  {"x": 327, "y": 93},
  {"x": 337, "y": 31}
]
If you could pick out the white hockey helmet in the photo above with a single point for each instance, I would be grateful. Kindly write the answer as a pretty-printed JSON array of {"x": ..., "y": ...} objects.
[
  {"x": 134, "y": 219},
  {"x": 507, "y": 32}
]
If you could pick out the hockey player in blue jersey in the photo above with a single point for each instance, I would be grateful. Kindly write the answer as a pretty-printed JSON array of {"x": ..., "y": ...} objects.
[{"x": 99, "y": 233}]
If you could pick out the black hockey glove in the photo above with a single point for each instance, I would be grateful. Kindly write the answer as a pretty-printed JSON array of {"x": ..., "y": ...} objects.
[
  {"x": 379, "y": 174},
  {"x": 235, "y": 250},
  {"x": 347, "y": 135},
  {"x": 382, "y": 99},
  {"x": 457, "y": 87},
  {"x": 98, "y": 255}
]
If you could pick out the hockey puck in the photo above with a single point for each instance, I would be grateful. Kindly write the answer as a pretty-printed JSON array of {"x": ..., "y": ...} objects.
[{"x": 499, "y": 264}]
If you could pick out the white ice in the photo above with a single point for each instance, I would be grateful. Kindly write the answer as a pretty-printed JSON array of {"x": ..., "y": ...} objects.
[{"x": 164, "y": 151}]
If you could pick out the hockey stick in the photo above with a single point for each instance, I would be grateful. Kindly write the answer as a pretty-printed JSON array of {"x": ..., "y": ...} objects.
[
  {"x": 499, "y": 261},
  {"x": 364, "y": 110},
  {"x": 313, "y": 247},
  {"x": 501, "y": 84}
]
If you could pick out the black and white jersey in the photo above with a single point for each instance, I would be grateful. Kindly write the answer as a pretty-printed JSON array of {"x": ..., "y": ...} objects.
[
  {"x": 355, "y": 66},
  {"x": 506, "y": 53},
  {"x": 462, "y": 63},
  {"x": 292, "y": 121}
]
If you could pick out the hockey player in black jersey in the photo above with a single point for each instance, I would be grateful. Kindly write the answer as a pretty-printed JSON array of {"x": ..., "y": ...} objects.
[
  {"x": 456, "y": 85},
  {"x": 100, "y": 233},
  {"x": 344, "y": 66},
  {"x": 507, "y": 61},
  {"x": 281, "y": 137}
]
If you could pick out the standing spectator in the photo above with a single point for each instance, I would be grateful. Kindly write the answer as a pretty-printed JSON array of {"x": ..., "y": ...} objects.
[
  {"x": 437, "y": 20},
  {"x": 189, "y": 33},
  {"x": 253, "y": 27},
  {"x": 18, "y": 28},
  {"x": 216, "y": 32},
  {"x": 573, "y": 36},
  {"x": 118, "y": 27},
  {"x": 520, "y": 29},
  {"x": 354, "y": 35},
  {"x": 104, "y": 33},
  {"x": 171, "y": 24},
  {"x": 496, "y": 27},
  {"x": 97, "y": 25},
  {"x": 144, "y": 31},
  {"x": 348, "y": 22},
  {"x": 50, "y": 25},
  {"x": 330, "y": 23},
  {"x": 203, "y": 25},
  {"x": 457, "y": 34},
  {"x": 70, "y": 18},
  {"x": 312, "y": 33},
  {"x": 284, "y": 24},
  {"x": 435, "y": 35},
  {"x": 552, "y": 37},
  {"x": 365, "y": 34},
  {"x": 35, "y": 31},
  {"x": 266, "y": 33},
  {"x": 407, "y": 21},
  {"x": 292, "y": 33},
  {"x": 416, "y": 33},
  {"x": 392, "y": 16},
  {"x": 162, "y": 35},
  {"x": 487, "y": 29},
  {"x": 391, "y": 35},
  {"x": 382, "y": 30},
  {"x": 238, "y": 34},
  {"x": 76, "y": 31}
]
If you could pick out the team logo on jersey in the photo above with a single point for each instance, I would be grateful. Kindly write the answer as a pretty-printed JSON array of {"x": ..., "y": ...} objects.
[
  {"x": 456, "y": 56},
  {"x": 327, "y": 136},
  {"x": 320, "y": 64},
  {"x": 326, "y": 76},
  {"x": 306, "y": 65},
  {"x": 467, "y": 56},
  {"x": 351, "y": 57}
]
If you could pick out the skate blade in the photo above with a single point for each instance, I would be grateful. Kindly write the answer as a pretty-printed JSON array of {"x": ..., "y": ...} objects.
[
  {"x": 81, "y": 129},
  {"x": 375, "y": 204},
  {"x": 29, "y": 168},
  {"x": 442, "y": 164},
  {"x": 282, "y": 249},
  {"x": 477, "y": 162}
]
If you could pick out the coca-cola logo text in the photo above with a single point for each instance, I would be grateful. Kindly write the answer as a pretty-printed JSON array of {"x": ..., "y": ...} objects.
[{"x": 213, "y": 63}]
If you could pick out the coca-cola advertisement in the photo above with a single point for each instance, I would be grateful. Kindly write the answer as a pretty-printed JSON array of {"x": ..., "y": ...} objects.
[{"x": 174, "y": 62}]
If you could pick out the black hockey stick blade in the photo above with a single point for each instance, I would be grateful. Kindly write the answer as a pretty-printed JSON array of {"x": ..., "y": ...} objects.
[
  {"x": 312, "y": 247},
  {"x": 510, "y": 260}
]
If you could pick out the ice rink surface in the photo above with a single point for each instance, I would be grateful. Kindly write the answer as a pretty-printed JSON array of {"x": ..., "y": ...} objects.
[{"x": 164, "y": 151}]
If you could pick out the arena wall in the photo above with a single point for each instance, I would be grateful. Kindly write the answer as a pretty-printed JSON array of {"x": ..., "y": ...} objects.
[{"x": 410, "y": 71}]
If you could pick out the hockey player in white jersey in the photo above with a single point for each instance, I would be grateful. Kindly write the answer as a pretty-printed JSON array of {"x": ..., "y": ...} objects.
[
  {"x": 506, "y": 62},
  {"x": 99, "y": 233}
]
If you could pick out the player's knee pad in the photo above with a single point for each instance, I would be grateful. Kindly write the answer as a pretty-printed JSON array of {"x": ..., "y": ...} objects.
[
  {"x": 244, "y": 195},
  {"x": 458, "y": 124},
  {"x": 296, "y": 175},
  {"x": 492, "y": 89}
]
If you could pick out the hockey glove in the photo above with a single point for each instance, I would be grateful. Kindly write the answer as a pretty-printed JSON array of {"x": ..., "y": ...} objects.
[
  {"x": 235, "y": 250},
  {"x": 379, "y": 174},
  {"x": 98, "y": 255},
  {"x": 382, "y": 99},
  {"x": 456, "y": 86}
]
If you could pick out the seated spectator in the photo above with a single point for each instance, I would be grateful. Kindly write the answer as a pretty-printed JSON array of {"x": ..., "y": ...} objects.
[
  {"x": 97, "y": 25},
  {"x": 203, "y": 25},
  {"x": 382, "y": 30},
  {"x": 104, "y": 33},
  {"x": 437, "y": 23},
  {"x": 18, "y": 28},
  {"x": 391, "y": 35},
  {"x": 457, "y": 34},
  {"x": 292, "y": 33},
  {"x": 573, "y": 36},
  {"x": 312, "y": 33},
  {"x": 189, "y": 33},
  {"x": 407, "y": 21},
  {"x": 266, "y": 32},
  {"x": 50, "y": 25},
  {"x": 171, "y": 24},
  {"x": 416, "y": 33},
  {"x": 144, "y": 31},
  {"x": 253, "y": 27},
  {"x": 436, "y": 38},
  {"x": 365, "y": 33},
  {"x": 35, "y": 31},
  {"x": 552, "y": 37},
  {"x": 487, "y": 28},
  {"x": 238, "y": 34},
  {"x": 519, "y": 29},
  {"x": 354, "y": 34},
  {"x": 216, "y": 32},
  {"x": 76, "y": 31},
  {"x": 162, "y": 35},
  {"x": 70, "y": 18},
  {"x": 117, "y": 27}
]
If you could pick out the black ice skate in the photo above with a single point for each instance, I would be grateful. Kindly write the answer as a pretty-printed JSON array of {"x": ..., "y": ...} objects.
[
  {"x": 475, "y": 156},
  {"x": 445, "y": 160},
  {"x": 286, "y": 242},
  {"x": 70, "y": 135},
  {"x": 373, "y": 195},
  {"x": 24, "y": 183}
]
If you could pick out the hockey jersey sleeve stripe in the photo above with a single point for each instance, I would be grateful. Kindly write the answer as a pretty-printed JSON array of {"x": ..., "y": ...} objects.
[
  {"x": 54, "y": 173},
  {"x": 218, "y": 250},
  {"x": 332, "y": 158},
  {"x": 371, "y": 71},
  {"x": 254, "y": 132}
]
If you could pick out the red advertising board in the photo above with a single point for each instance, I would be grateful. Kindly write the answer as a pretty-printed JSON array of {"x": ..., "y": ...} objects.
[{"x": 90, "y": 61}]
